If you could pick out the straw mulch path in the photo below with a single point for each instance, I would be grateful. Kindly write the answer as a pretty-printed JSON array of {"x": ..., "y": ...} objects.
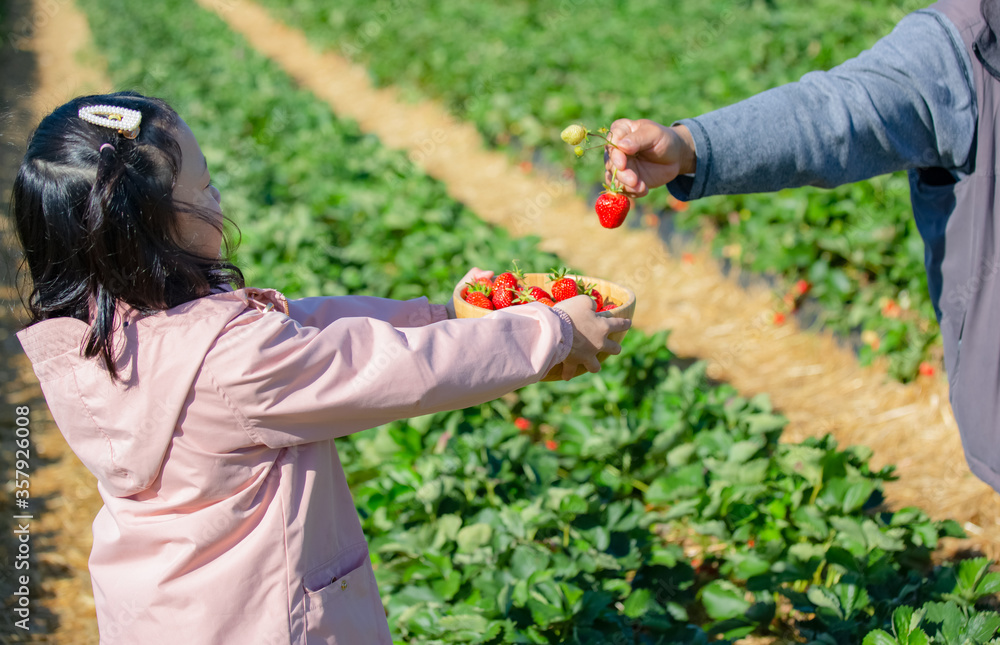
[
  {"x": 42, "y": 69},
  {"x": 814, "y": 381}
]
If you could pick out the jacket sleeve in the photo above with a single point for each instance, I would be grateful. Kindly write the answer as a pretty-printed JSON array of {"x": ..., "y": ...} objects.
[
  {"x": 289, "y": 383},
  {"x": 320, "y": 312},
  {"x": 908, "y": 102}
]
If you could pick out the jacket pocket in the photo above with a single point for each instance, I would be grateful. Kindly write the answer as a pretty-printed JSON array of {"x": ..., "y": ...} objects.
[{"x": 342, "y": 606}]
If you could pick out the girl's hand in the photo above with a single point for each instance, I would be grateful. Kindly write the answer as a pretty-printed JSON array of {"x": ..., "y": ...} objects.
[
  {"x": 647, "y": 155},
  {"x": 474, "y": 274},
  {"x": 590, "y": 334}
]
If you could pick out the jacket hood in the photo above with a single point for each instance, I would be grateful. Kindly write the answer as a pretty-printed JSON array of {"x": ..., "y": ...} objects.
[{"x": 122, "y": 430}]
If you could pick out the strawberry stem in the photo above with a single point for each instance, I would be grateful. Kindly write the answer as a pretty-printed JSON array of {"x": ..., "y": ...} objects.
[{"x": 608, "y": 140}]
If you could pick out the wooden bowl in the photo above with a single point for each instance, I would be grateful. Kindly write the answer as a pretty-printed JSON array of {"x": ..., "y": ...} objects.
[{"x": 624, "y": 296}]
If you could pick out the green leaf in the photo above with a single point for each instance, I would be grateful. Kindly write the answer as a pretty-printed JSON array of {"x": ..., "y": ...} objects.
[
  {"x": 989, "y": 585},
  {"x": 723, "y": 600},
  {"x": 879, "y": 637},
  {"x": 684, "y": 482},
  {"x": 903, "y": 624},
  {"x": 970, "y": 572},
  {"x": 951, "y": 618},
  {"x": 638, "y": 603},
  {"x": 472, "y": 537},
  {"x": 743, "y": 451},
  {"x": 526, "y": 560},
  {"x": 469, "y": 622},
  {"x": 446, "y": 530},
  {"x": 983, "y": 626},
  {"x": 765, "y": 423},
  {"x": 825, "y": 598}
]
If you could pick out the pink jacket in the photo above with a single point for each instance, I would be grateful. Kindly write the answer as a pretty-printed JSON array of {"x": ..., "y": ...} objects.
[{"x": 227, "y": 517}]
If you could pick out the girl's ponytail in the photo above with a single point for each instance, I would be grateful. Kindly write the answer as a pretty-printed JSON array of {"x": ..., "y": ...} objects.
[{"x": 95, "y": 214}]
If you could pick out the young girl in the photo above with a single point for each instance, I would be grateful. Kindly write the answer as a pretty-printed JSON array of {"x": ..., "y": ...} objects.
[{"x": 206, "y": 410}]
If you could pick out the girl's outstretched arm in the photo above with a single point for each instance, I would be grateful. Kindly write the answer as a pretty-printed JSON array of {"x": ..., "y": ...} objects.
[
  {"x": 322, "y": 311},
  {"x": 417, "y": 312},
  {"x": 287, "y": 383}
]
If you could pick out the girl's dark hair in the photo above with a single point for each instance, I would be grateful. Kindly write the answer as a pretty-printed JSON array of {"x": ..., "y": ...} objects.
[{"x": 98, "y": 224}]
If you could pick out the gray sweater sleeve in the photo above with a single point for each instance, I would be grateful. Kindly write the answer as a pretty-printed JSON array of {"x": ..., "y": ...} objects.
[{"x": 908, "y": 102}]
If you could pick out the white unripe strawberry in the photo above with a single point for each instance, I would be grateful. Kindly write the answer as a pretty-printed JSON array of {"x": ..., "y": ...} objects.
[{"x": 574, "y": 134}]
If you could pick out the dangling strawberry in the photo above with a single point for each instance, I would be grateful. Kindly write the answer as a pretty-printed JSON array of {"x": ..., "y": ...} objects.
[
  {"x": 612, "y": 208},
  {"x": 562, "y": 287}
]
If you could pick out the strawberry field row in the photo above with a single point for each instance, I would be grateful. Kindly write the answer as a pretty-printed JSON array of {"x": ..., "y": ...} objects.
[
  {"x": 640, "y": 505},
  {"x": 521, "y": 71}
]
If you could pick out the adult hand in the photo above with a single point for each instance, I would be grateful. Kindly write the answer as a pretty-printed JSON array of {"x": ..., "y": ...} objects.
[
  {"x": 590, "y": 334},
  {"x": 647, "y": 155},
  {"x": 474, "y": 274}
]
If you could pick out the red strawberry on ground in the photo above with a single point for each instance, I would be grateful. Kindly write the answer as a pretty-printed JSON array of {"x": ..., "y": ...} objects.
[
  {"x": 477, "y": 296},
  {"x": 612, "y": 208},
  {"x": 891, "y": 309},
  {"x": 562, "y": 287}
]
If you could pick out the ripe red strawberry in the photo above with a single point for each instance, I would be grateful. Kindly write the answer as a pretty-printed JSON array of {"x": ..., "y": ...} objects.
[
  {"x": 533, "y": 294},
  {"x": 591, "y": 290},
  {"x": 562, "y": 287},
  {"x": 504, "y": 287},
  {"x": 538, "y": 293},
  {"x": 476, "y": 295},
  {"x": 503, "y": 297},
  {"x": 608, "y": 306},
  {"x": 612, "y": 208},
  {"x": 481, "y": 281},
  {"x": 479, "y": 299}
]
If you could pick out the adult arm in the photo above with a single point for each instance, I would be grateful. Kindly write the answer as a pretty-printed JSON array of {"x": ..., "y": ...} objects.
[{"x": 908, "y": 102}]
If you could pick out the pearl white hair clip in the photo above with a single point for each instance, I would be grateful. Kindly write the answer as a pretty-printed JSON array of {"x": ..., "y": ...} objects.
[{"x": 125, "y": 120}]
